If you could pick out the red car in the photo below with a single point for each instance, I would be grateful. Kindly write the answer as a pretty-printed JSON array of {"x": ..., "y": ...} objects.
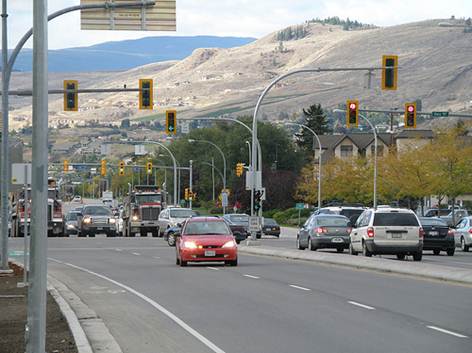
[{"x": 204, "y": 239}]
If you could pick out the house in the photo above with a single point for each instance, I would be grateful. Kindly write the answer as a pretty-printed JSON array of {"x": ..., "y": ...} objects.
[{"x": 408, "y": 139}]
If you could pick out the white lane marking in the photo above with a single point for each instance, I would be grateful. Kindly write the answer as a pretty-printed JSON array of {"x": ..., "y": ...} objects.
[
  {"x": 361, "y": 305},
  {"x": 298, "y": 287},
  {"x": 156, "y": 305},
  {"x": 249, "y": 276},
  {"x": 446, "y": 331},
  {"x": 213, "y": 268},
  {"x": 156, "y": 257},
  {"x": 136, "y": 253},
  {"x": 119, "y": 250}
]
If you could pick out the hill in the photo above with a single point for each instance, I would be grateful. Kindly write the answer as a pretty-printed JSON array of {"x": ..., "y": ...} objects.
[
  {"x": 127, "y": 54},
  {"x": 435, "y": 67}
]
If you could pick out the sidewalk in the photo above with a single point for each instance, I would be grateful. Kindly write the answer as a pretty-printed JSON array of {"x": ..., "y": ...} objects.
[{"x": 13, "y": 306}]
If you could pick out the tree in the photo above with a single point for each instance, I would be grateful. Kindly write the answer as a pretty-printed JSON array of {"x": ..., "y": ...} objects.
[{"x": 314, "y": 118}]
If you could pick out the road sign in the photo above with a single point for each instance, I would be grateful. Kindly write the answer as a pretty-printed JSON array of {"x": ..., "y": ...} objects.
[
  {"x": 139, "y": 150},
  {"x": 160, "y": 17},
  {"x": 440, "y": 114},
  {"x": 185, "y": 127},
  {"x": 104, "y": 150},
  {"x": 258, "y": 180},
  {"x": 300, "y": 206},
  {"x": 254, "y": 224},
  {"x": 224, "y": 199},
  {"x": 18, "y": 173}
]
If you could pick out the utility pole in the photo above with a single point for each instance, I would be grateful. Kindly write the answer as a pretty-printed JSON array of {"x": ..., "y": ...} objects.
[
  {"x": 191, "y": 183},
  {"x": 37, "y": 291},
  {"x": 213, "y": 177}
]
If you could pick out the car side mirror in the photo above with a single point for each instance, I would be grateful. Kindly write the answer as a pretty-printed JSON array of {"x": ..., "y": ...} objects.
[{"x": 179, "y": 225}]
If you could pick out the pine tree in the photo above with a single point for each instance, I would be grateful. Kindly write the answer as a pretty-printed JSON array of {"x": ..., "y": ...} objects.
[{"x": 315, "y": 118}]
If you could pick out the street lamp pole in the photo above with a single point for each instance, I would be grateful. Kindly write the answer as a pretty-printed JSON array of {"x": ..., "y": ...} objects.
[{"x": 315, "y": 135}]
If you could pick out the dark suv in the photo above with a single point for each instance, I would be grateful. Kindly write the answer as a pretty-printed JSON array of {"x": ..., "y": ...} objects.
[{"x": 95, "y": 219}]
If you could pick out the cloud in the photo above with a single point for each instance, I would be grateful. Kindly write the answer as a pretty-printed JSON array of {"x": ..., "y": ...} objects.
[{"x": 254, "y": 18}]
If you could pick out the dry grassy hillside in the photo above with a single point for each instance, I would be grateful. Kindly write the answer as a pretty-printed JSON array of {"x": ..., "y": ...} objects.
[{"x": 436, "y": 66}]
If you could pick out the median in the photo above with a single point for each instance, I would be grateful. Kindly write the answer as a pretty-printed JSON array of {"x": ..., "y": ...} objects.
[{"x": 415, "y": 269}]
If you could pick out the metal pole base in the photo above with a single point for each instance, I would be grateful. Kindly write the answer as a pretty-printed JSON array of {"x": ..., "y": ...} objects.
[{"x": 250, "y": 242}]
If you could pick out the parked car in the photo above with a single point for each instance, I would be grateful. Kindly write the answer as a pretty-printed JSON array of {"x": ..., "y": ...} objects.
[
  {"x": 389, "y": 231},
  {"x": 72, "y": 223},
  {"x": 437, "y": 236},
  {"x": 447, "y": 214},
  {"x": 239, "y": 231},
  {"x": 172, "y": 216},
  {"x": 351, "y": 212},
  {"x": 325, "y": 231},
  {"x": 463, "y": 233},
  {"x": 240, "y": 219},
  {"x": 271, "y": 227},
  {"x": 95, "y": 219},
  {"x": 204, "y": 239}
]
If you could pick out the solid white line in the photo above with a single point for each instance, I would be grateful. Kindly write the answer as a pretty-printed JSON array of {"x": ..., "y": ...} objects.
[
  {"x": 156, "y": 305},
  {"x": 213, "y": 268},
  {"x": 446, "y": 331},
  {"x": 362, "y": 305},
  {"x": 136, "y": 253},
  {"x": 249, "y": 276},
  {"x": 298, "y": 287}
]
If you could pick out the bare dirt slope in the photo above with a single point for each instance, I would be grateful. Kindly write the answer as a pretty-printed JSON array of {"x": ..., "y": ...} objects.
[{"x": 436, "y": 66}]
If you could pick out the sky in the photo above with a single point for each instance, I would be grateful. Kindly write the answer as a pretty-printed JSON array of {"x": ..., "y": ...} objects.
[{"x": 245, "y": 18}]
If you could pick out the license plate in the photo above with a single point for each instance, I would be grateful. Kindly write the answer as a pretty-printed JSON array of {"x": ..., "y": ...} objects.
[
  {"x": 337, "y": 240},
  {"x": 396, "y": 235},
  {"x": 433, "y": 233},
  {"x": 99, "y": 228},
  {"x": 210, "y": 253}
]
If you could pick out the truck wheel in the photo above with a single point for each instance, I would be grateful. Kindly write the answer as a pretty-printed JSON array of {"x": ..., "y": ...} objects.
[{"x": 155, "y": 233}]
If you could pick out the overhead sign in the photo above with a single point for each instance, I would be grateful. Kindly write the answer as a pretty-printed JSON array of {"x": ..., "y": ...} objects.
[
  {"x": 440, "y": 114},
  {"x": 158, "y": 17}
]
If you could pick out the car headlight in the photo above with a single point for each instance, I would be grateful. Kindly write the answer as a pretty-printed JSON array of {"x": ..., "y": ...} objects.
[
  {"x": 112, "y": 220},
  {"x": 190, "y": 245},
  {"x": 229, "y": 244},
  {"x": 135, "y": 218},
  {"x": 70, "y": 226},
  {"x": 87, "y": 220}
]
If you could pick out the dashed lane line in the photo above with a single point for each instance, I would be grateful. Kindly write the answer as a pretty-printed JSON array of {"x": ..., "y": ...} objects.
[
  {"x": 361, "y": 305},
  {"x": 251, "y": 276},
  {"x": 213, "y": 268},
  {"x": 301, "y": 288},
  {"x": 136, "y": 253},
  {"x": 213, "y": 347},
  {"x": 447, "y": 331}
]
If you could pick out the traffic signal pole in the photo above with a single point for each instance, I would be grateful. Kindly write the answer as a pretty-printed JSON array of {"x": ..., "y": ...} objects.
[{"x": 7, "y": 68}]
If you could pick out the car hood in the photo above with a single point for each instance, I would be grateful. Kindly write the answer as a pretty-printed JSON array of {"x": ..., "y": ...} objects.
[{"x": 218, "y": 240}]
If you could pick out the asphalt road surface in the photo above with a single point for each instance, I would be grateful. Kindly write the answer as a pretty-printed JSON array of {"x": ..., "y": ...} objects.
[
  {"x": 264, "y": 305},
  {"x": 459, "y": 260}
]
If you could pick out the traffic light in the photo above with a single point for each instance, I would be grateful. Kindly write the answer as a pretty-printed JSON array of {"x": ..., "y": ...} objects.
[
  {"x": 352, "y": 113},
  {"x": 71, "y": 95},
  {"x": 149, "y": 168},
  {"x": 171, "y": 122},
  {"x": 410, "y": 115},
  {"x": 66, "y": 166},
  {"x": 389, "y": 72},
  {"x": 121, "y": 168},
  {"x": 257, "y": 200},
  {"x": 187, "y": 194},
  {"x": 146, "y": 94},
  {"x": 239, "y": 169},
  {"x": 103, "y": 168}
]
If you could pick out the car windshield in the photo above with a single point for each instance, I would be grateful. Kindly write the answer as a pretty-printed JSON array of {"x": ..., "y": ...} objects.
[
  {"x": 239, "y": 219},
  {"x": 352, "y": 214},
  {"x": 207, "y": 228},
  {"x": 432, "y": 222},
  {"x": 395, "y": 219},
  {"x": 71, "y": 216},
  {"x": 97, "y": 211},
  {"x": 332, "y": 221},
  {"x": 269, "y": 222},
  {"x": 151, "y": 198},
  {"x": 182, "y": 213}
]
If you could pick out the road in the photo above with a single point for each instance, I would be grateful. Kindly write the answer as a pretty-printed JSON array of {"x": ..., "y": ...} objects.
[
  {"x": 459, "y": 260},
  {"x": 264, "y": 305}
]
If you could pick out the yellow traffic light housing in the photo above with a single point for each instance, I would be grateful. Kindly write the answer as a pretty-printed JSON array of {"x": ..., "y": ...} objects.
[
  {"x": 352, "y": 113},
  {"x": 239, "y": 169},
  {"x": 410, "y": 115},
  {"x": 171, "y": 122},
  {"x": 149, "y": 168},
  {"x": 66, "y": 166},
  {"x": 121, "y": 168},
  {"x": 146, "y": 94},
  {"x": 103, "y": 168},
  {"x": 389, "y": 72},
  {"x": 187, "y": 194},
  {"x": 71, "y": 96}
]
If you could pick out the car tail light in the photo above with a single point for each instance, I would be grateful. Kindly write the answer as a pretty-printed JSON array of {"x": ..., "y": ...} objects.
[
  {"x": 321, "y": 230},
  {"x": 450, "y": 232},
  {"x": 470, "y": 230},
  {"x": 370, "y": 232},
  {"x": 348, "y": 230},
  {"x": 421, "y": 232}
]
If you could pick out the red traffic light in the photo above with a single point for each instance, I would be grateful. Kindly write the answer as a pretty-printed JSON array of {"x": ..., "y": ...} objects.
[
  {"x": 352, "y": 106},
  {"x": 411, "y": 108}
]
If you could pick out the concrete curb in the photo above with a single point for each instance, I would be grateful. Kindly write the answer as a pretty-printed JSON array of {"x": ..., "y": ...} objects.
[{"x": 415, "y": 269}]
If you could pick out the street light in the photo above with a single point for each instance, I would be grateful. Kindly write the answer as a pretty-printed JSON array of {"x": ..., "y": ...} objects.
[
  {"x": 222, "y": 155},
  {"x": 374, "y": 130},
  {"x": 315, "y": 135}
]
